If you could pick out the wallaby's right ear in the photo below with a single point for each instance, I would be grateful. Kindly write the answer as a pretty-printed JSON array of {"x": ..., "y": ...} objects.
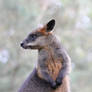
[{"x": 50, "y": 25}]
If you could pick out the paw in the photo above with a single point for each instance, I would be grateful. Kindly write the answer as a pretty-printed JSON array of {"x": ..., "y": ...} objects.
[
  {"x": 53, "y": 85},
  {"x": 58, "y": 81}
]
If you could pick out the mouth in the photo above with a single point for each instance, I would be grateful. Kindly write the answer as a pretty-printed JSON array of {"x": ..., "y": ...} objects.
[{"x": 29, "y": 46}]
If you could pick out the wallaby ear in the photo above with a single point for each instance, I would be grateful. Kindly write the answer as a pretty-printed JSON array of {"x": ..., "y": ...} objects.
[{"x": 50, "y": 25}]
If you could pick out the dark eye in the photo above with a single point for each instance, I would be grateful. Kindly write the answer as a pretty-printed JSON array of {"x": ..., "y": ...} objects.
[{"x": 33, "y": 37}]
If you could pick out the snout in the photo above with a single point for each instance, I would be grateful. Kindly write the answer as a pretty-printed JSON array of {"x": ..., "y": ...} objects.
[{"x": 23, "y": 45}]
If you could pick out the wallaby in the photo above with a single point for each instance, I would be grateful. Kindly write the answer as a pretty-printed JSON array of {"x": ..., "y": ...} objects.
[{"x": 53, "y": 66}]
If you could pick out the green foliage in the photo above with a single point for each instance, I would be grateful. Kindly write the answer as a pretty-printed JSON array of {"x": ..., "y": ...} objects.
[{"x": 73, "y": 26}]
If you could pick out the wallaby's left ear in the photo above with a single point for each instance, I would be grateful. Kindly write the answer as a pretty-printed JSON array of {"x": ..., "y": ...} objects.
[{"x": 50, "y": 25}]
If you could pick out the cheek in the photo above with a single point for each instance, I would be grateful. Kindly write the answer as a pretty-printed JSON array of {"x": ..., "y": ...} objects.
[
  {"x": 33, "y": 43},
  {"x": 41, "y": 41}
]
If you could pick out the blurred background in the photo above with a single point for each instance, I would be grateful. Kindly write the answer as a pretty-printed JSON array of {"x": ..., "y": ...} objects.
[{"x": 73, "y": 26}]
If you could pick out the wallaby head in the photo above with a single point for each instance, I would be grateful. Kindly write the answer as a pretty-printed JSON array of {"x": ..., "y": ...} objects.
[{"x": 40, "y": 37}]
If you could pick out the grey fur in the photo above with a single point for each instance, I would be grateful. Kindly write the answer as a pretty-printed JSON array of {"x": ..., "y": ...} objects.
[
  {"x": 34, "y": 84},
  {"x": 49, "y": 49}
]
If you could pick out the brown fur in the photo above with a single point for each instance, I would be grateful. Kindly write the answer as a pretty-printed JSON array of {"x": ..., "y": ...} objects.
[
  {"x": 54, "y": 65},
  {"x": 43, "y": 31},
  {"x": 54, "y": 68}
]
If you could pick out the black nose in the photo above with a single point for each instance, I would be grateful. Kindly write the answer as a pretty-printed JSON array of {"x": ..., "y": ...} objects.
[{"x": 22, "y": 44}]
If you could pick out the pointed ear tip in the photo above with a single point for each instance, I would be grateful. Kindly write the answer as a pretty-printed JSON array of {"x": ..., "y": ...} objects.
[
  {"x": 50, "y": 25},
  {"x": 53, "y": 20}
]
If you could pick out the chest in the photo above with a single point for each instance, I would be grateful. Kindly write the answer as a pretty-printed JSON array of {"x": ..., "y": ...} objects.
[
  {"x": 50, "y": 61},
  {"x": 54, "y": 66}
]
